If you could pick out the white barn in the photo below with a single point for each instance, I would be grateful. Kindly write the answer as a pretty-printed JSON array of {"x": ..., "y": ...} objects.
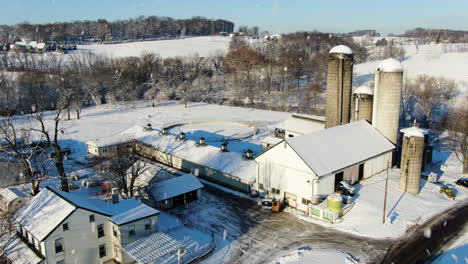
[
  {"x": 300, "y": 168},
  {"x": 299, "y": 124}
]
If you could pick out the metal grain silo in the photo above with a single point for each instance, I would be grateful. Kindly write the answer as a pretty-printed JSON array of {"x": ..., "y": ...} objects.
[
  {"x": 387, "y": 93},
  {"x": 361, "y": 105},
  {"x": 411, "y": 160},
  {"x": 339, "y": 81}
]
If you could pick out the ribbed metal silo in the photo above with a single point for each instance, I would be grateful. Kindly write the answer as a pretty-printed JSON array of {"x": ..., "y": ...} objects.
[
  {"x": 411, "y": 160},
  {"x": 361, "y": 104},
  {"x": 387, "y": 93},
  {"x": 339, "y": 81}
]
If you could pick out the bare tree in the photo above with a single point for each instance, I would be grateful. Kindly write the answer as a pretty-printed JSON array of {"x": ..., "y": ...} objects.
[
  {"x": 458, "y": 133},
  {"x": 52, "y": 140},
  {"x": 123, "y": 170}
]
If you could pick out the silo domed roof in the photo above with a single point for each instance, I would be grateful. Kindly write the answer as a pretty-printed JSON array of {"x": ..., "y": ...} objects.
[
  {"x": 390, "y": 65},
  {"x": 413, "y": 132},
  {"x": 341, "y": 49},
  {"x": 363, "y": 90}
]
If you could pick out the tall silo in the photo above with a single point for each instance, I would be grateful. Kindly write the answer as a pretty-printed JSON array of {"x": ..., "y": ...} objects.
[
  {"x": 339, "y": 81},
  {"x": 361, "y": 105},
  {"x": 387, "y": 93},
  {"x": 411, "y": 160}
]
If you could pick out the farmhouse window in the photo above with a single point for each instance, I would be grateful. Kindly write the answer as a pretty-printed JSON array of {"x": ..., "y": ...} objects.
[
  {"x": 102, "y": 250},
  {"x": 91, "y": 218},
  {"x": 65, "y": 227},
  {"x": 100, "y": 229},
  {"x": 58, "y": 245}
]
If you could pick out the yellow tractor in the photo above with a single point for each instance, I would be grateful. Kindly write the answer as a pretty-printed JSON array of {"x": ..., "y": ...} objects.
[{"x": 448, "y": 191}]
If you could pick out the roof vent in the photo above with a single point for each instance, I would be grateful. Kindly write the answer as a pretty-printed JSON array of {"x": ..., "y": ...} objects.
[
  {"x": 181, "y": 136},
  {"x": 164, "y": 131},
  {"x": 201, "y": 142},
  {"x": 224, "y": 147},
  {"x": 248, "y": 154},
  {"x": 148, "y": 127}
]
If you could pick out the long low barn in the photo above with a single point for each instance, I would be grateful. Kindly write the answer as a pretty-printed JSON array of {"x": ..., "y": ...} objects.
[
  {"x": 230, "y": 169},
  {"x": 302, "y": 167}
]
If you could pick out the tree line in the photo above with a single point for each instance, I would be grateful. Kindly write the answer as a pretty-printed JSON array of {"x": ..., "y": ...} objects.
[
  {"x": 256, "y": 74},
  {"x": 103, "y": 30}
]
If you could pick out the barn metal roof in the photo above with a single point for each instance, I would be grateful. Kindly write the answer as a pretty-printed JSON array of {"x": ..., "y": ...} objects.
[{"x": 333, "y": 149}]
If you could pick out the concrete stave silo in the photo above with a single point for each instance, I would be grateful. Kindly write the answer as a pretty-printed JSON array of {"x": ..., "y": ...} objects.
[
  {"x": 411, "y": 160},
  {"x": 339, "y": 83},
  {"x": 362, "y": 103},
  {"x": 387, "y": 97}
]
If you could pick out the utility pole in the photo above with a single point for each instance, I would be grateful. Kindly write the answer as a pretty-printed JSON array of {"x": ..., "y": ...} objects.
[{"x": 385, "y": 194}]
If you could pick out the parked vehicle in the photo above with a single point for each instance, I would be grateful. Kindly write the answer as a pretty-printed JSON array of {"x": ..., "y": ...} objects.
[
  {"x": 345, "y": 188},
  {"x": 448, "y": 191},
  {"x": 462, "y": 182}
]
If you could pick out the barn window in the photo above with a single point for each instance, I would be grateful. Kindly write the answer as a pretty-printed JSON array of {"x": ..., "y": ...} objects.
[
  {"x": 290, "y": 135},
  {"x": 260, "y": 186},
  {"x": 147, "y": 224},
  {"x": 305, "y": 201},
  {"x": 58, "y": 245},
  {"x": 275, "y": 191},
  {"x": 91, "y": 218},
  {"x": 65, "y": 227},
  {"x": 131, "y": 231}
]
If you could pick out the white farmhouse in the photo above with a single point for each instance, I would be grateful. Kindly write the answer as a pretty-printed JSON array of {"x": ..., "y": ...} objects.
[
  {"x": 61, "y": 227},
  {"x": 303, "y": 167}
]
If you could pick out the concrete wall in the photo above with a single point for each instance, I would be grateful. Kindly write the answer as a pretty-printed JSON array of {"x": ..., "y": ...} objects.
[
  {"x": 411, "y": 163},
  {"x": 386, "y": 107},
  {"x": 339, "y": 83},
  {"x": 361, "y": 107}
]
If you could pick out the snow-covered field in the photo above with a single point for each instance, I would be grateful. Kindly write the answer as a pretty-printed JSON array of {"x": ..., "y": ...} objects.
[
  {"x": 427, "y": 59},
  {"x": 204, "y": 46}
]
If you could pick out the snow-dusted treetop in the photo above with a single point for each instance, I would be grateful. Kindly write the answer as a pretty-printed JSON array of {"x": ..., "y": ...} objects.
[
  {"x": 413, "y": 132},
  {"x": 341, "y": 49},
  {"x": 363, "y": 90},
  {"x": 390, "y": 65}
]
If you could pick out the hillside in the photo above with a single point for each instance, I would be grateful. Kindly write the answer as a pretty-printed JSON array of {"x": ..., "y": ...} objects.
[{"x": 165, "y": 48}]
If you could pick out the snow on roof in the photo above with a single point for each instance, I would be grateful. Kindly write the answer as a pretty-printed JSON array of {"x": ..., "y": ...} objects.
[
  {"x": 414, "y": 132},
  {"x": 10, "y": 194},
  {"x": 339, "y": 147},
  {"x": 123, "y": 212},
  {"x": 232, "y": 163},
  {"x": 390, "y": 65},
  {"x": 173, "y": 187},
  {"x": 50, "y": 207},
  {"x": 136, "y": 213},
  {"x": 363, "y": 90},
  {"x": 43, "y": 213},
  {"x": 272, "y": 140},
  {"x": 341, "y": 49},
  {"x": 301, "y": 125},
  {"x": 19, "y": 253},
  {"x": 123, "y": 137},
  {"x": 152, "y": 248}
]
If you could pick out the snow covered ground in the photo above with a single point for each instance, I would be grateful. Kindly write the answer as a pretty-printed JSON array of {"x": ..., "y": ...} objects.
[
  {"x": 315, "y": 256},
  {"x": 204, "y": 46},
  {"x": 403, "y": 210}
]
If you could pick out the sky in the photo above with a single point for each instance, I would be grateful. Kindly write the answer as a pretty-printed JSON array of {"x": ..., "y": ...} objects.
[{"x": 276, "y": 16}]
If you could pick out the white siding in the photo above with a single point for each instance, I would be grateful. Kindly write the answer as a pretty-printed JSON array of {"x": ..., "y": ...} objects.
[
  {"x": 80, "y": 242},
  {"x": 377, "y": 165},
  {"x": 282, "y": 169}
]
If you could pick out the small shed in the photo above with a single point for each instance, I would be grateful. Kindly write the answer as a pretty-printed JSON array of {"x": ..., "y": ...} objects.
[
  {"x": 299, "y": 124},
  {"x": 12, "y": 199},
  {"x": 175, "y": 192}
]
